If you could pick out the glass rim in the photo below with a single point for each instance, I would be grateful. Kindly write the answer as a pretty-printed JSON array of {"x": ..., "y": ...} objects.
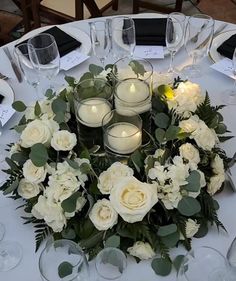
[
  {"x": 202, "y": 16},
  {"x": 93, "y": 24},
  {"x": 40, "y": 48},
  {"x": 124, "y": 18},
  {"x": 173, "y": 14}
]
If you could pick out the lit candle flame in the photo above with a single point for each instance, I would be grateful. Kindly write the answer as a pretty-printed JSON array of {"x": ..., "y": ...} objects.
[
  {"x": 94, "y": 109},
  {"x": 132, "y": 88}
]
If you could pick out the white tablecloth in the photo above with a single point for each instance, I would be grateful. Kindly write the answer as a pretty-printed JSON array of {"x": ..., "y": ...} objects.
[{"x": 211, "y": 80}]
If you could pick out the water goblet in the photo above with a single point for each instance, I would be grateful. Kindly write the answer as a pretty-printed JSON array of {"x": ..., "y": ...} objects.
[
  {"x": 198, "y": 37},
  {"x": 63, "y": 254},
  {"x": 45, "y": 56},
  {"x": 100, "y": 40},
  {"x": 110, "y": 264}
]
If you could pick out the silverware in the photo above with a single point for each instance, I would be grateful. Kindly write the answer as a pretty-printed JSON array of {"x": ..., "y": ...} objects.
[
  {"x": 219, "y": 29},
  {"x": 195, "y": 38},
  {"x": 13, "y": 64}
]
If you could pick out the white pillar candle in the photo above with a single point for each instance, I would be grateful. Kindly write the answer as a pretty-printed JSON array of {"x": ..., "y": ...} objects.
[
  {"x": 133, "y": 93},
  {"x": 91, "y": 111},
  {"x": 123, "y": 137}
]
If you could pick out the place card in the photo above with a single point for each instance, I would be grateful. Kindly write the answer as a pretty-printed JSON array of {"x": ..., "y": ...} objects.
[
  {"x": 72, "y": 59},
  {"x": 224, "y": 66},
  {"x": 6, "y": 112},
  {"x": 149, "y": 52}
]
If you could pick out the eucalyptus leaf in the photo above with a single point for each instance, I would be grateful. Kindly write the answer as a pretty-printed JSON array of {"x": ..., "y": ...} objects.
[
  {"x": 59, "y": 105},
  {"x": 113, "y": 241},
  {"x": 73, "y": 164},
  {"x": 189, "y": 206},
  {"x": 20, "y": 128},
  {"x": 136, "y": 159},
  {"x": 50, "y": 94},
  {"x": 69, "y": 204},
  {"x": 12, "y": 164},
  {"x": 221, "y": 129},
  {"x": 172, "y": 132},
  {"x": 68, "y": 233},
  {"x": 19, "y": 106},
  {"x": 20, "y": 157},
  {"x": 12, "y": 187},
  {"x": 167, "y": 230},
  {"x": 70, "y": 80},
  {"x": 95, "y": 69},
  {"x": 65, "y": 269},
  {"x": 137, "y": 67},
  {"x": 37, "y": 109},
  {"x": 92, "y": 240},
  {"x": 171, "y": 240},
  {"x": 177, "y": 261},
  {"x": 86, "y": 76},
  {"x": 59, "y": 117},
  {"x": 162, "y": 120},
  {"x": 38, "y": 154},
  {"x": 85, "y": 168},
  {"x": 160, "y": 134},
  {"x": 161, "y": 266},
  {"x": 202, "y": 231},
  {"x": 193, "y": 180}
]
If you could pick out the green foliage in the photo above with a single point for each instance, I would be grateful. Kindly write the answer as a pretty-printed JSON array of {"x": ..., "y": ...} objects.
[
  {"x": 37, "y": 109},
  {"x": 137, "y": 68},
  {"x": 193, "y": 180},
  {"x": 38, "y": 155},
  {"x": 65, "y": 269},
  {"x": 189, "y": 206},
  {"x": 167, "y": 230},
  {"x": 95, "y": 69},
  {"x": 113, "y": 241},
  {"x": 162, "y": 266},
  {"x": 19, "y": 106},
  {"x": 69, "y": 204}
]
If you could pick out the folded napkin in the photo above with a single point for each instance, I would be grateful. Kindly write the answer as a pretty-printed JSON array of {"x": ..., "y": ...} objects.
[
  {"x": 149, "y": 31},
  {"x": 227, "y": 48},
  {"x": 65, "y": 42}
]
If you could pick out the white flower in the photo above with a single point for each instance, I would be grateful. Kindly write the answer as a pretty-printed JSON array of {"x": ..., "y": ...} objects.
[
  {"x": 217, "y": 165},
  {"x": 215, "y": 183},
  {"x": 133, "y": 199},
  {"x": 191, "y": 228},
  {"x": 63, "y": 140},
  {"x": 45, "y": 107},
  {"x": 27, "y": 189},
  {"x": 51, "y": 212},
  {"x": 159, "y": 173},
  {"x": 171, "y": 199},
  {"x": 141, "y": 250},
  {"x": 38, "y": 131},
  {"x": 15, "y": 148},
  {"x": 190, "y": 153},
  {"x": 103, "y": 215},
  {"x": 205, "y": 137},
  {"x": 33, "y": 173},
  {"x": 108, "y": 178},
  {"x": 178, "y": 172},
  {"x": 190, "y": 125}
]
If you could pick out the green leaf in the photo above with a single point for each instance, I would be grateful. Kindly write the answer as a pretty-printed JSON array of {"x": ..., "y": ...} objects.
[
  {"x": 38, "y": 154},
  {"x": 171, "y": 240},
  {"x": 49, "y": 94},
  {"x": 161, "y": 266},
  {"x": 92, "y": 240},
  {"x": 20, "y": 157},
  {"x": 136, "y": 159},
  {"x": 12, "y": 187},
  {"x": 59, "y": 117},
  {"x": 167, "y": 230},
  {"x": 69, "y": 204},
  {"x": 221, "y": 129},
  {"x": 137, "y": 67},
  {"x": 189, "y": 206},
  {"x": 68, "y": 233},
  {"x": 70, "y": 80},
  {"x": 172, "y": 133},
  {"x": 84, "y": 229},
  {"x": 193, "y": 182},
  {"x": 85, "y": 168},
  {"x": 65, "y": 269},
  {"x": 162, "y": 120},
  {"x": 73, "y": 164},
  {"x": 12, "y": 164},
  {"x": 37, "y": 109},
  {"x": 177, "y": 261},
  {"x": 95, "y": 69},
  {"x": 113, "y": 241},
  {"x": 20, "y": 128},
  {"x": 202, "y": 231},
  {"x": 160, "y": 134},
  {"x": 85, "y": 154},
  {"x": 19, "y": 106},
  {"x": 86, "y": 76},
  {"x": 59, "y": 105}
]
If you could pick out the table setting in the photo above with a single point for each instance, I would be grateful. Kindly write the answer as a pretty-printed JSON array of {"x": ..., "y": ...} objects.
[{"x": 118, "y": 150}]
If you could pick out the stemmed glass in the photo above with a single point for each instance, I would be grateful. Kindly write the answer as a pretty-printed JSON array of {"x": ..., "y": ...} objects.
[
  {"x": 122, "y": 34},
  {"x": 100, "y": 40},
  {"x": 174, "y": 38},
  {"x": 198, "y": 37},
  {"x": 45, "y": 56},
  {"x": 30, "y": 73},
  {"x": 10, "y": 252}
]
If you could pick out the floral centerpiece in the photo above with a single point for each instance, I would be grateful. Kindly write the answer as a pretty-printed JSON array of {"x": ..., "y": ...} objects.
[{"x": 160, "y": 198}]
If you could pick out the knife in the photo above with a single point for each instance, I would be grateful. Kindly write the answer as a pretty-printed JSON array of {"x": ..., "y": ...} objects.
[{"x": 13, "y": 64}]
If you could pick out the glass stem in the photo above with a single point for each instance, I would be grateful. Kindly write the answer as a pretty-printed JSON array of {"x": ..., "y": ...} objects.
[
  {"x": 171, "y": 69},
  {"x": 194, "y": 59}
]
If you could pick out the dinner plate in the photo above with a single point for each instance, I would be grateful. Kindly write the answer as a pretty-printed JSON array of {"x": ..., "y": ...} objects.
[
  {"x": 216, "y": 42},
  {"x": 7, "y": 92},
  {"x": 74, "y": 32}
]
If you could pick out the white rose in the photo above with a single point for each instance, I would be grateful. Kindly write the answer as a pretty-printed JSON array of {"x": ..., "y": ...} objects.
[
  {"x": 38, "y": 131},
  {"x": 217, "y": 165},
  {"x": 133, "y": 199},
  {"x": 33, "y": 173},
  {"x": 63, "y": 140},
  {"x": 190, "y": 153},
  {"x": 108, "y": 178},
  {"x": 141, "y": 250},
  {"x": 51, "y": 212},
  {"x": 215, "y": 183},
  {"x": 103, "y": 215},
  {"x": 205, "y": 137},
  {"x": 190, "y": 125},
  {"x": 27, "y": 189},
  {"x": 191, "y": 228}
]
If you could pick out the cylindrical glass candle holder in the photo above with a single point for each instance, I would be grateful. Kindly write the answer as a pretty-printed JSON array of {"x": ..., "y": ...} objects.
[
  {"x": 134, "y": 67},
  {"x": 134, "y": 94},
  {"x": 92, "y": 101},
  {"x": 122, "y": 133}
]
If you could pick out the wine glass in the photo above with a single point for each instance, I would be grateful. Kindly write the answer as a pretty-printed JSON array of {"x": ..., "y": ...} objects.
[
  {"x": 63, "y": 260},
  {"x": 10, "y": 252},
  {"x": 100, "y": 40},
  {"x": 45, "y": 56},
  {"x": 198, "y": 36},
  {"x": 110, "y": 264},
  {"x": 30, "y": 73},
  {"x": 229, "y": 95},
  {"x": 174, "y": 38},
  {"x": 122, "y": 34}
]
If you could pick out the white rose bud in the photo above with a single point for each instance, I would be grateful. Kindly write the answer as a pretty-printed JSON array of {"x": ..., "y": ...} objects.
[
  {"x": 141, "y": 250},
  {"x": 190, "y": 125},
  {"x": 190, "y": 153},
  {"x": 205, "y": 137},
  {"x": 103, "y": 215},
  {"x": 218, "y": 165},
  {"x": 33, "y": 173},
  {"x": 191, "y": 228},
  {"x": 215, "y": 183},
  {"x": 27, "y": 189},
  {"x": 63, "y": 140},
  {"x": 133, "y": 199}
]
